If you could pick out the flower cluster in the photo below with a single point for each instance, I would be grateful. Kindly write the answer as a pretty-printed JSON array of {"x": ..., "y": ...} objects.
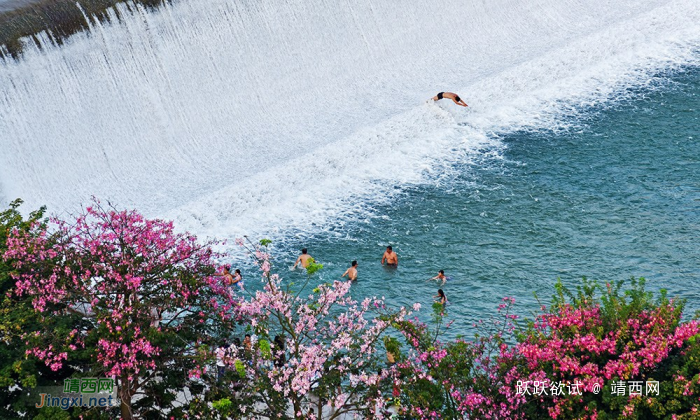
[
  {"x": 581, "y": 343},
  {"x": 330, "y": 343},
  {"x": 128, "y": 280}
]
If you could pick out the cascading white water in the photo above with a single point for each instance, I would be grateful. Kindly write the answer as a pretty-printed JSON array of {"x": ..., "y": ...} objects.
[{"x": 255, "y": 116}]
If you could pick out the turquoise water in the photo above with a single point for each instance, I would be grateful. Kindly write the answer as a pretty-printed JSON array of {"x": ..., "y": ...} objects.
[{"x": 617, "y": 196}]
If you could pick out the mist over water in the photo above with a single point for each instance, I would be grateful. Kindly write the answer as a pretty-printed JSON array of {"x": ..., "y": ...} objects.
[{"x": 266, "y": 118}]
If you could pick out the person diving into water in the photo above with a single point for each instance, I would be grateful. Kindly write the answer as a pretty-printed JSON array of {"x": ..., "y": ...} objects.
[{"x": 449, "y": 95}]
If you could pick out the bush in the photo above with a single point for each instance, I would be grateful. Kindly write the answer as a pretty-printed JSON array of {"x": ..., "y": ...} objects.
[{"x": 575, "y": 360}]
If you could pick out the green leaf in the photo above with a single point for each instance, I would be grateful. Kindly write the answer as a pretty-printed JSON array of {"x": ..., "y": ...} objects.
[{"x": 313, "y": 267}]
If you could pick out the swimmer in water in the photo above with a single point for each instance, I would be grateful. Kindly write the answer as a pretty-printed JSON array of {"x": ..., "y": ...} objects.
[
  {"x": 351, "y": 272},
  {"x": 440, "y": 277},
  {"x": 392, "y": 260},
  {"x": 441, "y": 298},
  {"x": 449, "y": 95},
  {"x": 238, "y": 279},
  {"x": 228, "y": 277},
  {"x": 304, "y": 259}
]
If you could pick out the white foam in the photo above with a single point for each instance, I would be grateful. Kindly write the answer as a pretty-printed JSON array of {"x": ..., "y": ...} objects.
[{"x": 267, "y": 116}]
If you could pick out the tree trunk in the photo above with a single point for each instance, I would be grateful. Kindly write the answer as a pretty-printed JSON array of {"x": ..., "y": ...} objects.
[
  {"x": 125, "y": 397},
  {"x": 297, "y": 410}
]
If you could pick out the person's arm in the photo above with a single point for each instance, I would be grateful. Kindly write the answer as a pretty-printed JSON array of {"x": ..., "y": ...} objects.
[
  {"x": 345, "y": 273},
  {"x": 383, "y": 258},
  {"x": 297, "y": 262}
]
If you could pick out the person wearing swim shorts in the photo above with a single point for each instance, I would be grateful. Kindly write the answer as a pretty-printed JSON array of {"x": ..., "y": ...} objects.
[
  {"x": 449, "y": 95},
  {"x": 390, "y": 257}
]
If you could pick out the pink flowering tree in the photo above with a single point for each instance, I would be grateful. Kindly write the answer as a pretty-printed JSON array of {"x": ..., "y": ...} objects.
[
  {"x": 329, "y": 364},
  {"x": 578, "y": 359},
  {"x": 146, "y": 298},
  {"x": 603, "y": 351}
]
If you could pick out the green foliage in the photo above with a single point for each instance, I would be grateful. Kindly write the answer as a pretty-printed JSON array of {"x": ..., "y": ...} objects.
[
  {"x": 265, "y": 350},
  {"x": 424, "y": 393},
  {"x": 615, "y": 302},
  {"x": 223, "y": 404},
  {"x": 17, "y": 373},
  {"x": 438, "y": 311},
  {"x": 240, "y": 368},
  {"x": 392, "y": 346},
  {"x": 313, "y": 267},
  {"x": 52, "y": 413},
  {"x": 265, "y": 242},
  {"x": 417, "y": 331}
]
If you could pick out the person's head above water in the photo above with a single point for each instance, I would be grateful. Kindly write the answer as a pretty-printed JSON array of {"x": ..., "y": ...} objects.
[
  {"x": 303, "y": 250},
  {"x": 441, "y": 293},
  {"x": 389, "y": 248},
  {"x": 238, "y": 271},
  {"x": 442, "y": 272},
  {"x": 354, "y": 263}
]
